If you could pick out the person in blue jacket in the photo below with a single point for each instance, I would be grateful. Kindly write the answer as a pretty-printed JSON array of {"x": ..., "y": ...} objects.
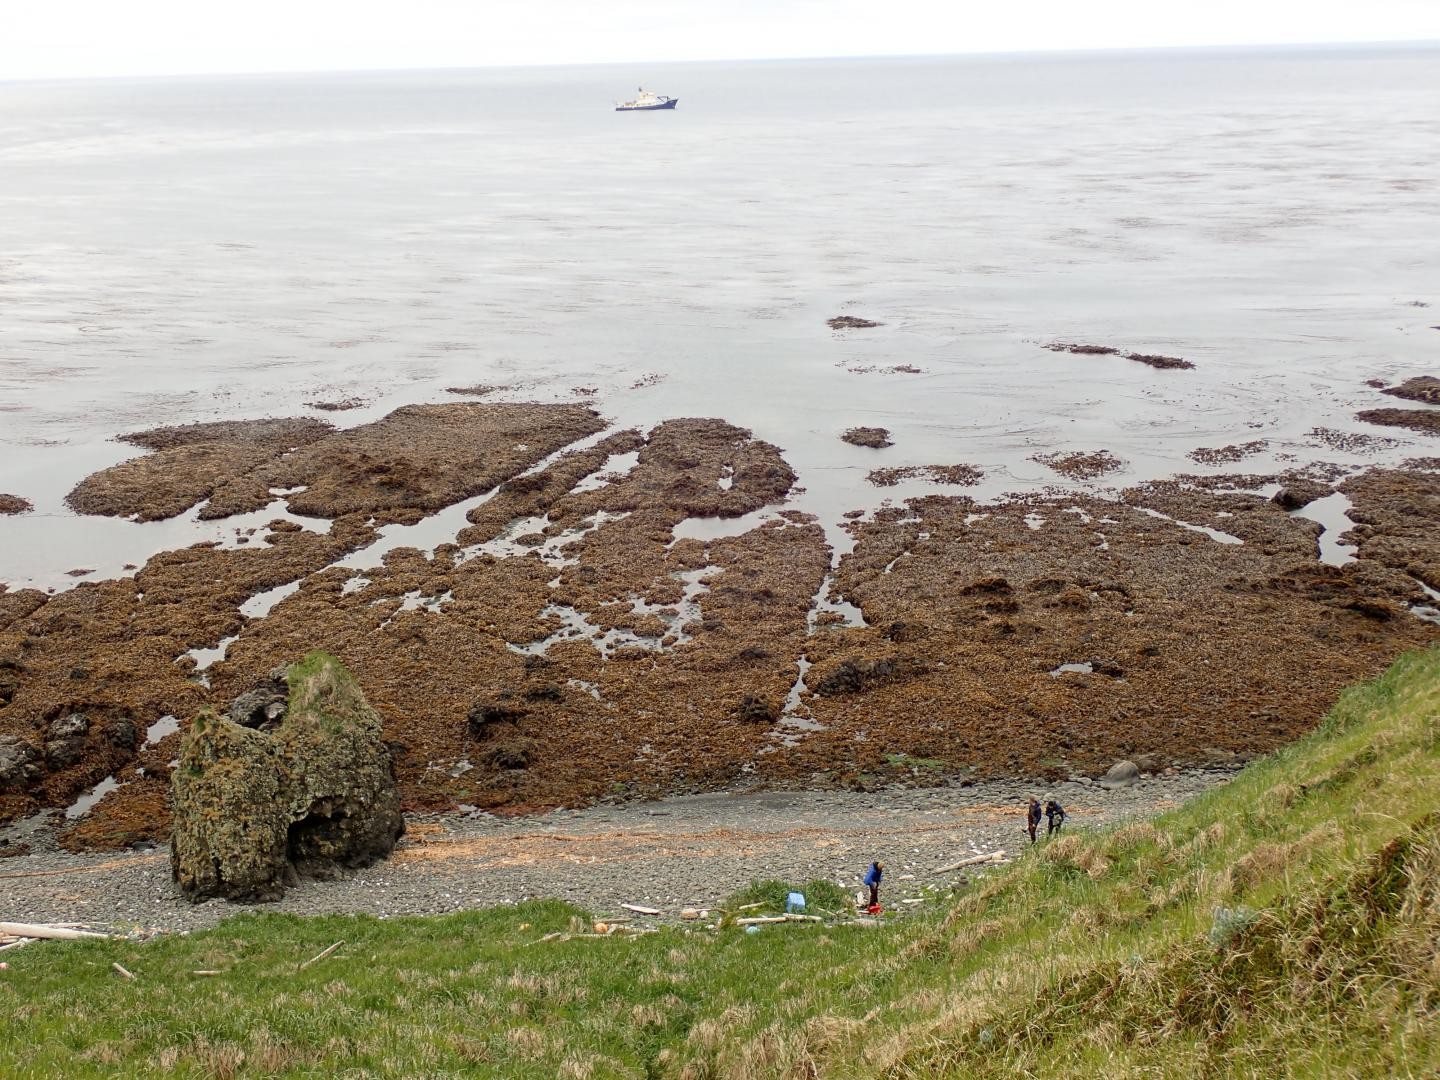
[
  {"x": 1032, "y": 818},
  {"x": 872, "y": 879},
  {"x": 1055, "y": 815}
]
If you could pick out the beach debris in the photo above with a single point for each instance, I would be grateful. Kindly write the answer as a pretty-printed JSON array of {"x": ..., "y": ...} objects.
[
  {"x": 641, "y": 909},
  {"x": 321, "y": 955},
  {"x": 973, "y": 860},
  {"x": 47, "y": 932},
  {"x": 14, "y": 504},
  {"x": 851, "y": 322},
  {"x": 123, "y": 971}
]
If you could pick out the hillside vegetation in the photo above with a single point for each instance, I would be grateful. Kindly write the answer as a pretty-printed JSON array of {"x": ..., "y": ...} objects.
[{"x": 1285, "y": 924}]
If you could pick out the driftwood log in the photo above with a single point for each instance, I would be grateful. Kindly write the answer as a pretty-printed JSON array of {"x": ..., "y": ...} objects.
[
  {"x": 48, "y": 933},
  {"x": 974, "y": 860}
]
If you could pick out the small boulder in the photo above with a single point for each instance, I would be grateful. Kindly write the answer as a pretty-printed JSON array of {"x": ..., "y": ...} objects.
[
  {"x": 19, "y": 763},
  {"x": 264, "y": 707},
  {"x": 1122, "y": 774}
]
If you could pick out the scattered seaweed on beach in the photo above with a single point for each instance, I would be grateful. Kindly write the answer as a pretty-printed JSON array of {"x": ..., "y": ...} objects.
[
  {"x": 1351, "y": 442},
  {"x": 1080, "y": 464},
  {"x": 958, "y": 475},
  {"x": 1161, "y": 362},
  {"x": 1082, "y": 350},
  {"x": 851, "y": 322},
  {"x": 14, "y": 504},
  {"x": 1226, "y": 455},
  {"x": 875, "y": 437},
  {"x": 340, "y": 405}
]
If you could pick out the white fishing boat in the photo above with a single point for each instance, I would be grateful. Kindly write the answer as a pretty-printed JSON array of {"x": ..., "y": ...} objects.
[{"x": 645, "y": 101}]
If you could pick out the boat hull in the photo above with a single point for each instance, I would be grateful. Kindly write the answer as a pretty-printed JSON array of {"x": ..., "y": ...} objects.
[{"x": 648, "y": 108}]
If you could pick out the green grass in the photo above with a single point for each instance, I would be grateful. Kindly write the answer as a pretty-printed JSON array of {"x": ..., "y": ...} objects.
[{"x": 1286, "y": 924}]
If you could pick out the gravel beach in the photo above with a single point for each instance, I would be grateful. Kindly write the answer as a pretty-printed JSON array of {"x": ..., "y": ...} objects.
[{"x": 691, "y": 851}]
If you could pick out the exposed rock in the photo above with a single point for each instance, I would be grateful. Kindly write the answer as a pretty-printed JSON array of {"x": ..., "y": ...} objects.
[
  {"x": 1122, "y": 774},
  {"x": 264, "y": 707},
  {"x": 123, "y": 733},
  {"x": 1164, "y": 363},
  {"x": 13, "y": 504},
  {"x": 756, "y": 710},
  {"x": 855, "y": 676},
  {"x": 877, "y": 438},
  {"x": 254, "y": 811},
  {"x": 1422, "y": 420},
  {"x": 18, "y": 763},
  {"x": 851, "y": 322},
  {"x": 1421, "y": 388},
  {"x": 65, "y": 740},
  {"x": 510, "y": 752},
  {"x": 1299, "y": 493}
]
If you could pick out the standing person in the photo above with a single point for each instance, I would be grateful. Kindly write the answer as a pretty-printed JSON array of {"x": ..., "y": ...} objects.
[
  {"x": 1032, "y": 818},
  {"x": 1055, "y": 816},
  {"x": 872, "y": 879}
]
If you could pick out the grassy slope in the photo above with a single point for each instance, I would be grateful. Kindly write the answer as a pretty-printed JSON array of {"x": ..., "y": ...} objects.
[{"x": 1100, "y": 954}]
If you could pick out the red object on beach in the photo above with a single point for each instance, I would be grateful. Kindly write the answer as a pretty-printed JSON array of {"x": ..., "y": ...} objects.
[{"x": 874, "y": 909}]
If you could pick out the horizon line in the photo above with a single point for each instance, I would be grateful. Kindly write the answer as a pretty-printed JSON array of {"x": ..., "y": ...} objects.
[{"x": 1276, "y": 46}]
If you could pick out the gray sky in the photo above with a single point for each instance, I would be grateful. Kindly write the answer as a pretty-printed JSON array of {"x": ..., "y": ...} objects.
[{"x": 40, "y": 38}]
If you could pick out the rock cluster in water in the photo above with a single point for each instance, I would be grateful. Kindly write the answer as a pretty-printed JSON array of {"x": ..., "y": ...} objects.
[{"x": 255, "y": 811}]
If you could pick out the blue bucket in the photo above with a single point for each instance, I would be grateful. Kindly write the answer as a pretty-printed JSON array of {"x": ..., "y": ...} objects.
[{"x": 795, "y": 902}]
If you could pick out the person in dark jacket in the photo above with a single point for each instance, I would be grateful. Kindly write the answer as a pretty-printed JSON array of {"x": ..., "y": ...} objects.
[
  {"x": 1032, "y": 818},
  {"x": 872, "y": 879},
  {"x": 1054, "y": 815}
]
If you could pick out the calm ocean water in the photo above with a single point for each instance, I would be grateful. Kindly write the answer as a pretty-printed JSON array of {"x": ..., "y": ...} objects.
[{"x": 173, "y": 250}]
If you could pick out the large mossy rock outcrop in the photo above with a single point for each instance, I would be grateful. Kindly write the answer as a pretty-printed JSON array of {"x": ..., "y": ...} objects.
[{"x": 255, "y": 811}]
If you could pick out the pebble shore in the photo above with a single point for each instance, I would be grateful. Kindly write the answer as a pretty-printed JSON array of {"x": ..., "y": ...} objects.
[{"x": 688, "y": 851}]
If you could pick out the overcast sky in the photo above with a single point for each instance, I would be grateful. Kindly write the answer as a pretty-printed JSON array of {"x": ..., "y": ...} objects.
[{"x": 40, "y": 38}]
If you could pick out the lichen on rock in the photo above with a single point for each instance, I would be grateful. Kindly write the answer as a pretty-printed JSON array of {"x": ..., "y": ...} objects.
[{"x": 255, "y": 811}]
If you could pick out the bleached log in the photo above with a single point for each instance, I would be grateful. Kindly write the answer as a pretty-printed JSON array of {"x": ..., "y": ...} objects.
[
  {"x": 46, "y": 932},
  {"x": 639, "y": 909},
  {"x": 974, "y": 860},
  {"x": 122, "y": 971},
  {"x": 321, "y": 956}
]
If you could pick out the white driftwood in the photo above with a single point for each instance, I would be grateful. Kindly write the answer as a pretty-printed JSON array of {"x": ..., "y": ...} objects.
[
  {"x": 45, "y": 932},
  {"x": 639, "y": 909},
  {"x": 207, "y": 971},
  {"x": 321, "y": 956},
  {"x": 122, "y": 971},
  {"x": 974, "y": 860}
]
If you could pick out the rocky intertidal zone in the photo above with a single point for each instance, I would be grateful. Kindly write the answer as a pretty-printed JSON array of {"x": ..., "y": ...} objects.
[
  {"x": 13, "y": 504},
  {"x": 543, "y": 611}
]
